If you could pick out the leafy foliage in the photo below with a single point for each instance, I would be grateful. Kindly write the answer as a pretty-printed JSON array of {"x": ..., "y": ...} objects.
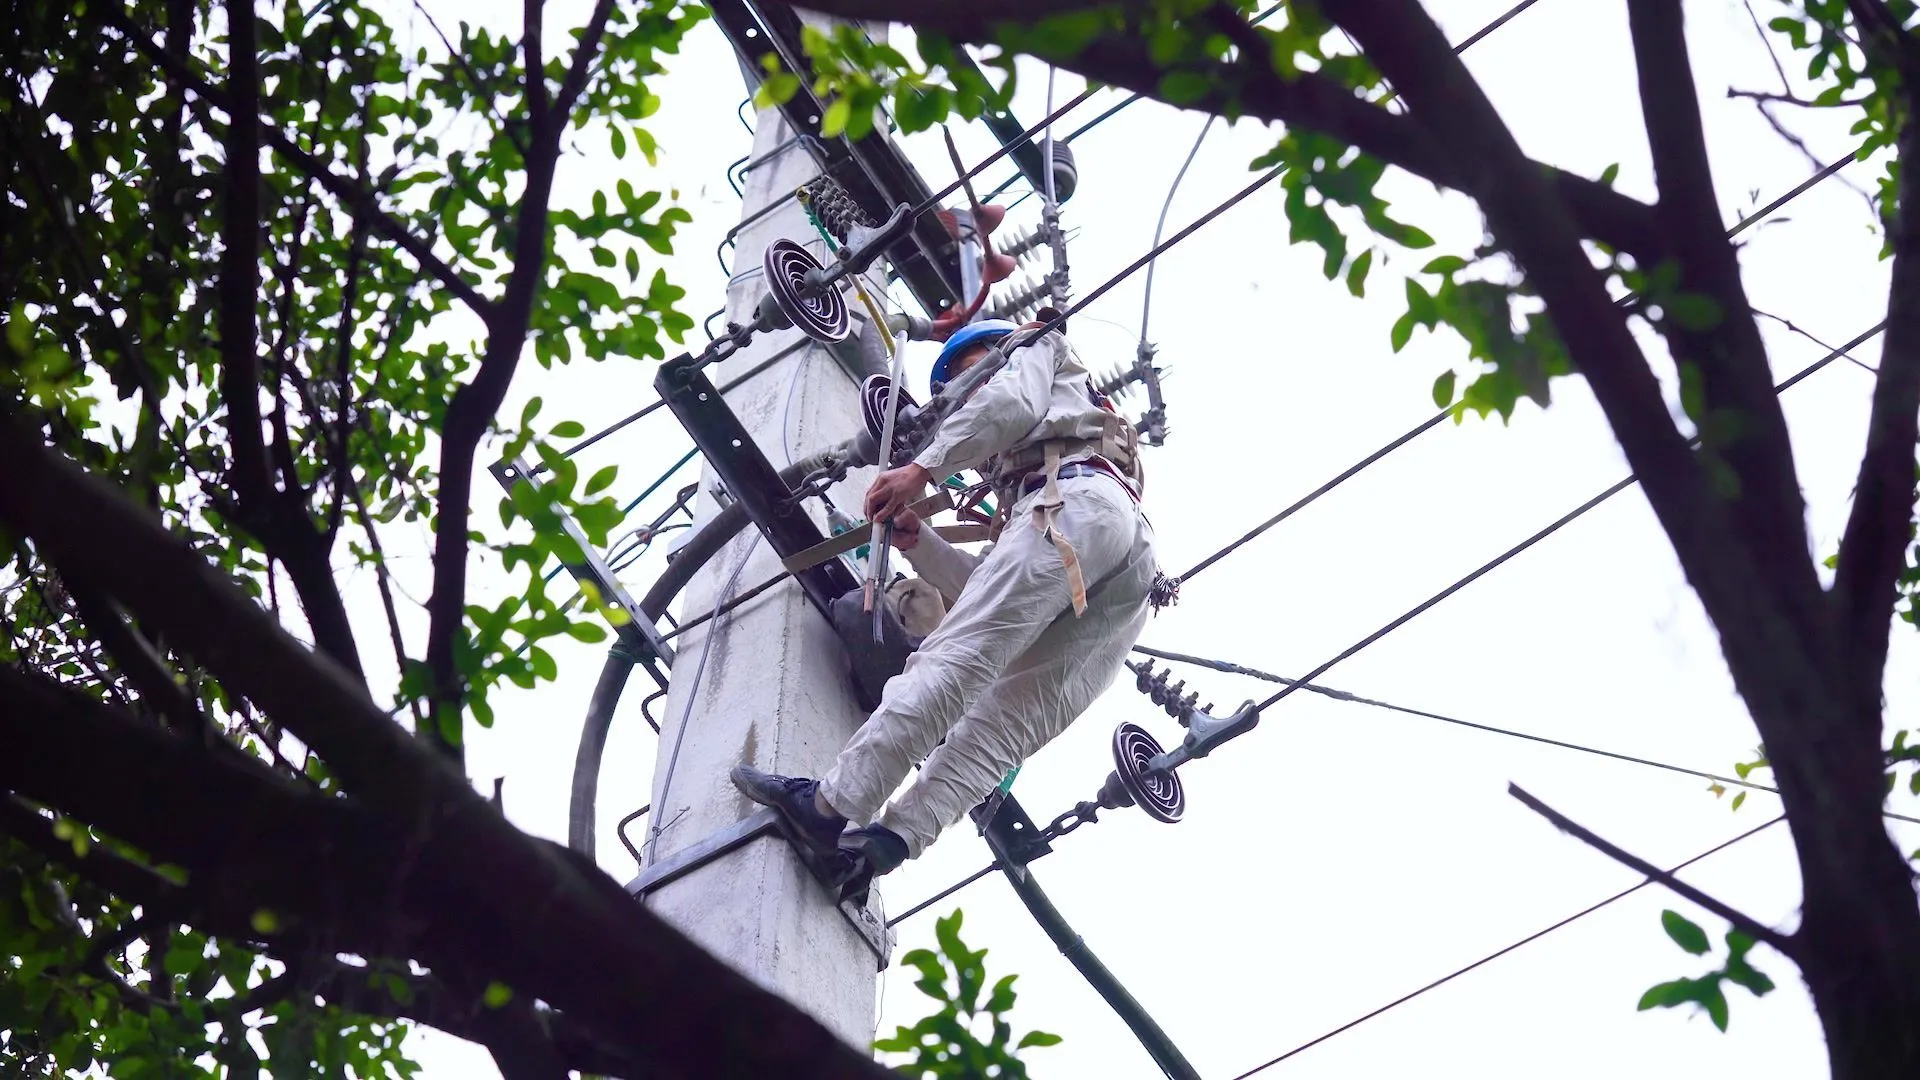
[
  {"x": 967, "y": 1038},
  {"x": 1706, "y": 991},
  {"x": 282, "y": 417}
]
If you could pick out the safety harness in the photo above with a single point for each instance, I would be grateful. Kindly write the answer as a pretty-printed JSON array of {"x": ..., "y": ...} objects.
[{"x": 1012, "y": 476}]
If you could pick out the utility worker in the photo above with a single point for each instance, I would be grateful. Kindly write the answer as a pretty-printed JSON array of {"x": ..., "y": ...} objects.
[{"x": 1039, "y": 623}]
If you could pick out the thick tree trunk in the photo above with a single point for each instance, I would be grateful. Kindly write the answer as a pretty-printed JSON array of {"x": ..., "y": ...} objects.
[{"x": 1858, "y": 946}]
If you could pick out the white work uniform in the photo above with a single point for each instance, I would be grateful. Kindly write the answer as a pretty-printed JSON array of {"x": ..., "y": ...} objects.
[{"x": 1011, "y": 665}]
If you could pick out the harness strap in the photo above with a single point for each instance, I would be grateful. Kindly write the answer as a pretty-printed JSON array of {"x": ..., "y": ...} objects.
[{"x": 1046, "y": 514}]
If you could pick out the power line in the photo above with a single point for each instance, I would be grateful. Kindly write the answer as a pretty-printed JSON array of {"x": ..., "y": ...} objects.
[
  {"x": 1306, "y": 682},
  {"x": 1523, "y": 545},
  {"x": 1434, "y": 421},
  {"x": 1497, "y": 954},
  {"x": 1147, "y": 260},
  {"x": 1342, "y": 695}
]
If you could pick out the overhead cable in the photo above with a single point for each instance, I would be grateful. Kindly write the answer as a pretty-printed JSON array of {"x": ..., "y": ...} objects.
[
  {"x": 1523, "y": 545},
  {"x": 1498, "y": 953},
  {"x": 1434, "y": 421},
  {"x": 1342, "y": 695}
]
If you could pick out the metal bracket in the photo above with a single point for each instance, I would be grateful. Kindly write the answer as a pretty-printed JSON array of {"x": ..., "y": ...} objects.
[
  {"x": 869, "y": 921},
  {"x": 1010, "y": 834},
  {"x": 638, "y": 632},
  {"x": 752, "y": 479},
  {"x": 880, "y": 177}
]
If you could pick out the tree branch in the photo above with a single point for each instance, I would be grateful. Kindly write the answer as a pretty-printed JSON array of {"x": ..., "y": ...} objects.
[
  {"x": 1786, "y": 85},
  {"x": 112, "y": 872},
  {"x": 1873, "y": 546},
  {"x": 240, "y": 268},
  {"x": 1788, "y": 99},
  {"x": 358, "y": 198},
  {"x": 473, "y": 405},
  {"x": 138, "y": 660},
  {"x": 520, "y": 1042},
  {"x": 473, "y": 891},
  {"x": 1250, "y": 87},
  {"x": 1745, "y": 923},
  {"x": 584, "y": 55},
  {"x": 1735, "y": 378},
  {"x": 536, "y": 74}
]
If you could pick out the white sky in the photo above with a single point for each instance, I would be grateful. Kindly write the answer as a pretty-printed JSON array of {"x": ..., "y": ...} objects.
[{"x": 1339, "y": 856}]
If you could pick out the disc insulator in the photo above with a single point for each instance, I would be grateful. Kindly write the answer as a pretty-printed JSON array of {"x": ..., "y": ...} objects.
[
  {"x": 821, "y": 315},
  {"x": 1158, "y": 793}
]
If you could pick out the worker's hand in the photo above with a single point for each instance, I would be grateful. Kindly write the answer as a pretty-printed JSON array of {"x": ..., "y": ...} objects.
[
  {"x": 906, "y": 530},
  {"x": 894, "y": 489}
]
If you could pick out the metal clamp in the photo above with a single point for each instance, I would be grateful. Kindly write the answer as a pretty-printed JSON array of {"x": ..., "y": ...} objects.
[
  {"x": 869, "y": 920},
  {"x": 1205, "y": 732}
]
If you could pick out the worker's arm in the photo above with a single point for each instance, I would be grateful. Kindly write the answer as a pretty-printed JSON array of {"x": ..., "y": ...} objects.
[
  {"x": 939, "y": 563},
  {"x": 1009, "y": 406}
]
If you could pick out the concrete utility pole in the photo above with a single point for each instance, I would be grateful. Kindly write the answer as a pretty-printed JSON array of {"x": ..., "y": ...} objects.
[{"x": 771, "y": 687}]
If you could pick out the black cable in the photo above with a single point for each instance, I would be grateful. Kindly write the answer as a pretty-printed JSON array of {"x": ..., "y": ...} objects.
[
  {"x": 1523, "y": 545},
  {"x": 1304, "y": 501},
  {"x": 1343, "y": 695},
  {"x": 1497, "y": 23},
  {"x": 1497, "y": 954},
  {"x": 1155, "y": 253},
  {"x": 1109, "y": 114},
  {"x": 656, "y": 406},
  {"x": 1434, "y": 421}
]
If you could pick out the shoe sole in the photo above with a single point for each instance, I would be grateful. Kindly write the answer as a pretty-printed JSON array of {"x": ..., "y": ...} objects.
[{"x": 794, "y": 826}]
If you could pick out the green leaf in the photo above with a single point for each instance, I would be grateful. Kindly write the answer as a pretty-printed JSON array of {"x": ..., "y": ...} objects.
[
  {"x": 600, "y": 480},
  {"x": 1443, "y": 389},
  {"x": 1692, "y": 311},
  {"x": 1002, "y": 997},
  {"x": 1610, "y": 174},
  {"x": 1684, "y": 932},
  {"x": 1357, "y": 273},
  {"x": 778, "y": 89},
  {"x": 591, "y": 633},
  {"x": 947, "y": 932},
  {"x": 1715, "y": 1001},
  {"x": 1037, "y": 1038},
  {"x": 1402, "y": 331},
  {"x": 619, "y": 141},
  {"x": 1445, "y": 264},
  {"x": 1184, "y": 87},
  {"x": 834, "y": 123},
  {"x": 568, "y": 429},
  {"x": 19, "y": 330},
  {"x": 1666, "y": 995}
]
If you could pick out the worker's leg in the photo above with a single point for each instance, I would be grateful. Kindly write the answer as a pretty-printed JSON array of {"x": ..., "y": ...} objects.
[
  {"x": 1017, "y": 590},
  {"x": 1050, "y": 685}
]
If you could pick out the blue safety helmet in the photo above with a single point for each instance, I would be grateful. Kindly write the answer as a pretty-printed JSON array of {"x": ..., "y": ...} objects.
[{"x": 984, "y": 332}]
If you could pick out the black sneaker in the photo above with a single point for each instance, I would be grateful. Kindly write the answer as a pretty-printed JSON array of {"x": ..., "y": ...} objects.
[
  {"x": 866, "y": 853},
  {"x": 792, "y": 797}
]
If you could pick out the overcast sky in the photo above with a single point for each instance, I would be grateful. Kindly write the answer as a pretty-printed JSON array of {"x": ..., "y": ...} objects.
[{"x": 1339, "y": 856}]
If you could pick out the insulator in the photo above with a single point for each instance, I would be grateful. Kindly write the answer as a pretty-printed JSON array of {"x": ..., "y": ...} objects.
[
  {"x": 839, "y": 214},
  {"x": 1066, "y": 175},
  {"x": 1020, "y": 244}
]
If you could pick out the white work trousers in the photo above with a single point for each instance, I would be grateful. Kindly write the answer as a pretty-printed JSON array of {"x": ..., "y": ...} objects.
[{"x": 1008, "y": 668}]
